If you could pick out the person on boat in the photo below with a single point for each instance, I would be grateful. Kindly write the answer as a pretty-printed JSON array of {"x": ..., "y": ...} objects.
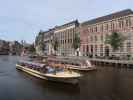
[
  {"x": 69, "y": 69},
  {"x": 54, "y": 71}
]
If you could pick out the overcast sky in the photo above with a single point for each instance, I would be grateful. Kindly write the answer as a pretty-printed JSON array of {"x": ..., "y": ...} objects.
[{"x": 22, "y": 19}]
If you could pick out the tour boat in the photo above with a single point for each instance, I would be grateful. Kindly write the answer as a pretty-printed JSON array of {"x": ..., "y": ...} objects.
[
  {"x": 75, "y": 64},
  {"x": 43, "y": 71}
]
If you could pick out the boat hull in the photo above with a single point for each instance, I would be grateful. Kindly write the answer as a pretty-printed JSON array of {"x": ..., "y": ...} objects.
[
  {"x": 40, "y": 75},
  {"x": 82, "y": 69}
]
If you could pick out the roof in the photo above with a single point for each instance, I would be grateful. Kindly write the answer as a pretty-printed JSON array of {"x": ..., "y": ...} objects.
[
  {"x": 108, "y": 17},
  {"x": 49, "y": 30},
  {"x": 72, "y": 22}
]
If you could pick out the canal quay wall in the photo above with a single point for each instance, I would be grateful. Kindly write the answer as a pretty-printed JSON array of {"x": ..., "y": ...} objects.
[
  {"x": 114, "y": 63},
  {"x": 106, "y": 62}
]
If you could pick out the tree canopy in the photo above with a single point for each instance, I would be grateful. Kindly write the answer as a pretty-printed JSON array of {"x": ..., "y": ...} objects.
[
  {"x": 39, "y": 41},
  {"x": 76, "y": 41},
  {"x": 31, "y": 48},
  {"x": 115, "y": 40},
  {"x": 55, "y": 43}
]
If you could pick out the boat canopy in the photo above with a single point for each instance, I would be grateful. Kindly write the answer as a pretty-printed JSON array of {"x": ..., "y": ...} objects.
[{"x": 32, "y": 63}]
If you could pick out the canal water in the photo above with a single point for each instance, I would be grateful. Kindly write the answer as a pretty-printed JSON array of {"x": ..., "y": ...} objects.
[{"x": 107, "y": 83}]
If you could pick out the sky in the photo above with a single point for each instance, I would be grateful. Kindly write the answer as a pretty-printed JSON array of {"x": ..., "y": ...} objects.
[{"x": 23, "y": 19}]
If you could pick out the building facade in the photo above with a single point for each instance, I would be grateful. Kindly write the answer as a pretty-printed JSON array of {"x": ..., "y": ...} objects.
[
  {"x": 15, "y": 48},
  {"x": 48, "y": 37},
  {"x": 65, "y": 35},
  {"x": 4, "y": 47},
  {"x": 94, "y": 32}
]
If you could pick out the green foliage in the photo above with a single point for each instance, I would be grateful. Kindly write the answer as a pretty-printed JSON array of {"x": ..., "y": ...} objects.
[
  {"x": 55, "y": 44},
  {"x": 76, "y": 42},
  {"x": 115, "y": 40},
  {"x": 39, "y": 41},
  {"x": 32, "y": 48}
]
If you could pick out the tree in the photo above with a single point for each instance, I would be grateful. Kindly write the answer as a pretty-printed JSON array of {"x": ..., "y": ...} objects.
[
  {"x": 18, "y": 47},
  {"x": 55, "y": 44},
  {"x": 31, "y": 48},
  {"x": 39, "y": 42},
  {"x": 76, "y": 42},
  {"x": 115, "y": 40}
]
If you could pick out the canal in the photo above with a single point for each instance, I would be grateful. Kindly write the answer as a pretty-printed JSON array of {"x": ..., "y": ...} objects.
[{"x": 107, "y": 83}]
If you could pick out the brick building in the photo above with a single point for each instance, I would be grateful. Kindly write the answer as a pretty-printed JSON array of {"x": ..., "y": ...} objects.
[
  {"x": 93, "y": 34},
  {"x": 65, "y": 34}
]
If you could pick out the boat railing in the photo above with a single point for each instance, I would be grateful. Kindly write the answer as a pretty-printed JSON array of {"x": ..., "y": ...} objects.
[{"x": 31, "y": 64}]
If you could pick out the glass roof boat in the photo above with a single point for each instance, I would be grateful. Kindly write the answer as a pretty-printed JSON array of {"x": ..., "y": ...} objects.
[{"x": 47, "y": 72}]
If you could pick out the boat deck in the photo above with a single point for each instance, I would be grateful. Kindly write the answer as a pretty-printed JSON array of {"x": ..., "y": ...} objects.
[{"x": 65, "y": 74}]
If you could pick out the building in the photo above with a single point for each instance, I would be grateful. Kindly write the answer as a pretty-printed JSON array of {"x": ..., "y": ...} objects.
[
  {"x": 93, "y": 34},
  {"x": 48, "y": 36},
  {"x": 4, "y": 47},
  {"x": 15, "y": 48},
  {"x": 65, "y": 35}
]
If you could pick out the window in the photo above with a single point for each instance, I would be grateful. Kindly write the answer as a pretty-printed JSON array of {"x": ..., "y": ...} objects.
[
  {"x": 88, "y": 29},
  {"x": 106, "y": 27},
  {"x": 91, "y": 48},
  {"x": 73, "y": 30},
  {"x": 91, "y": 38},
  {"x": 129, "y": 35},
  {"x": 68, "y": 35},
  {"x": 95, "y": 48},
  {"x": 101, "y": 28},
  {"x": 96, "y": 29},
  {"x": 128, "y": 22},
  {"x": 87, "y": 48},
  {"x": 113, "y": 26},
  {"x": 102, "y": 37},
  {"x": 128, "y": 46},
  {"x": 83, "y": 48},
  {"x": 91, "y": 29},
  {"x": 71, "y": 40},
  {"x": 101, "y": 48},
  {"x": 95, "y": 38},
  {"x": 68, "y": 40},
  {"x": 121, "y": 24}
]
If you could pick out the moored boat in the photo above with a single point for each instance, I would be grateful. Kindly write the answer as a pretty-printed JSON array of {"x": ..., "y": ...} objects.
[
  {"x": 43, "y": 71},
  {"x": 75, "y": 64}
]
